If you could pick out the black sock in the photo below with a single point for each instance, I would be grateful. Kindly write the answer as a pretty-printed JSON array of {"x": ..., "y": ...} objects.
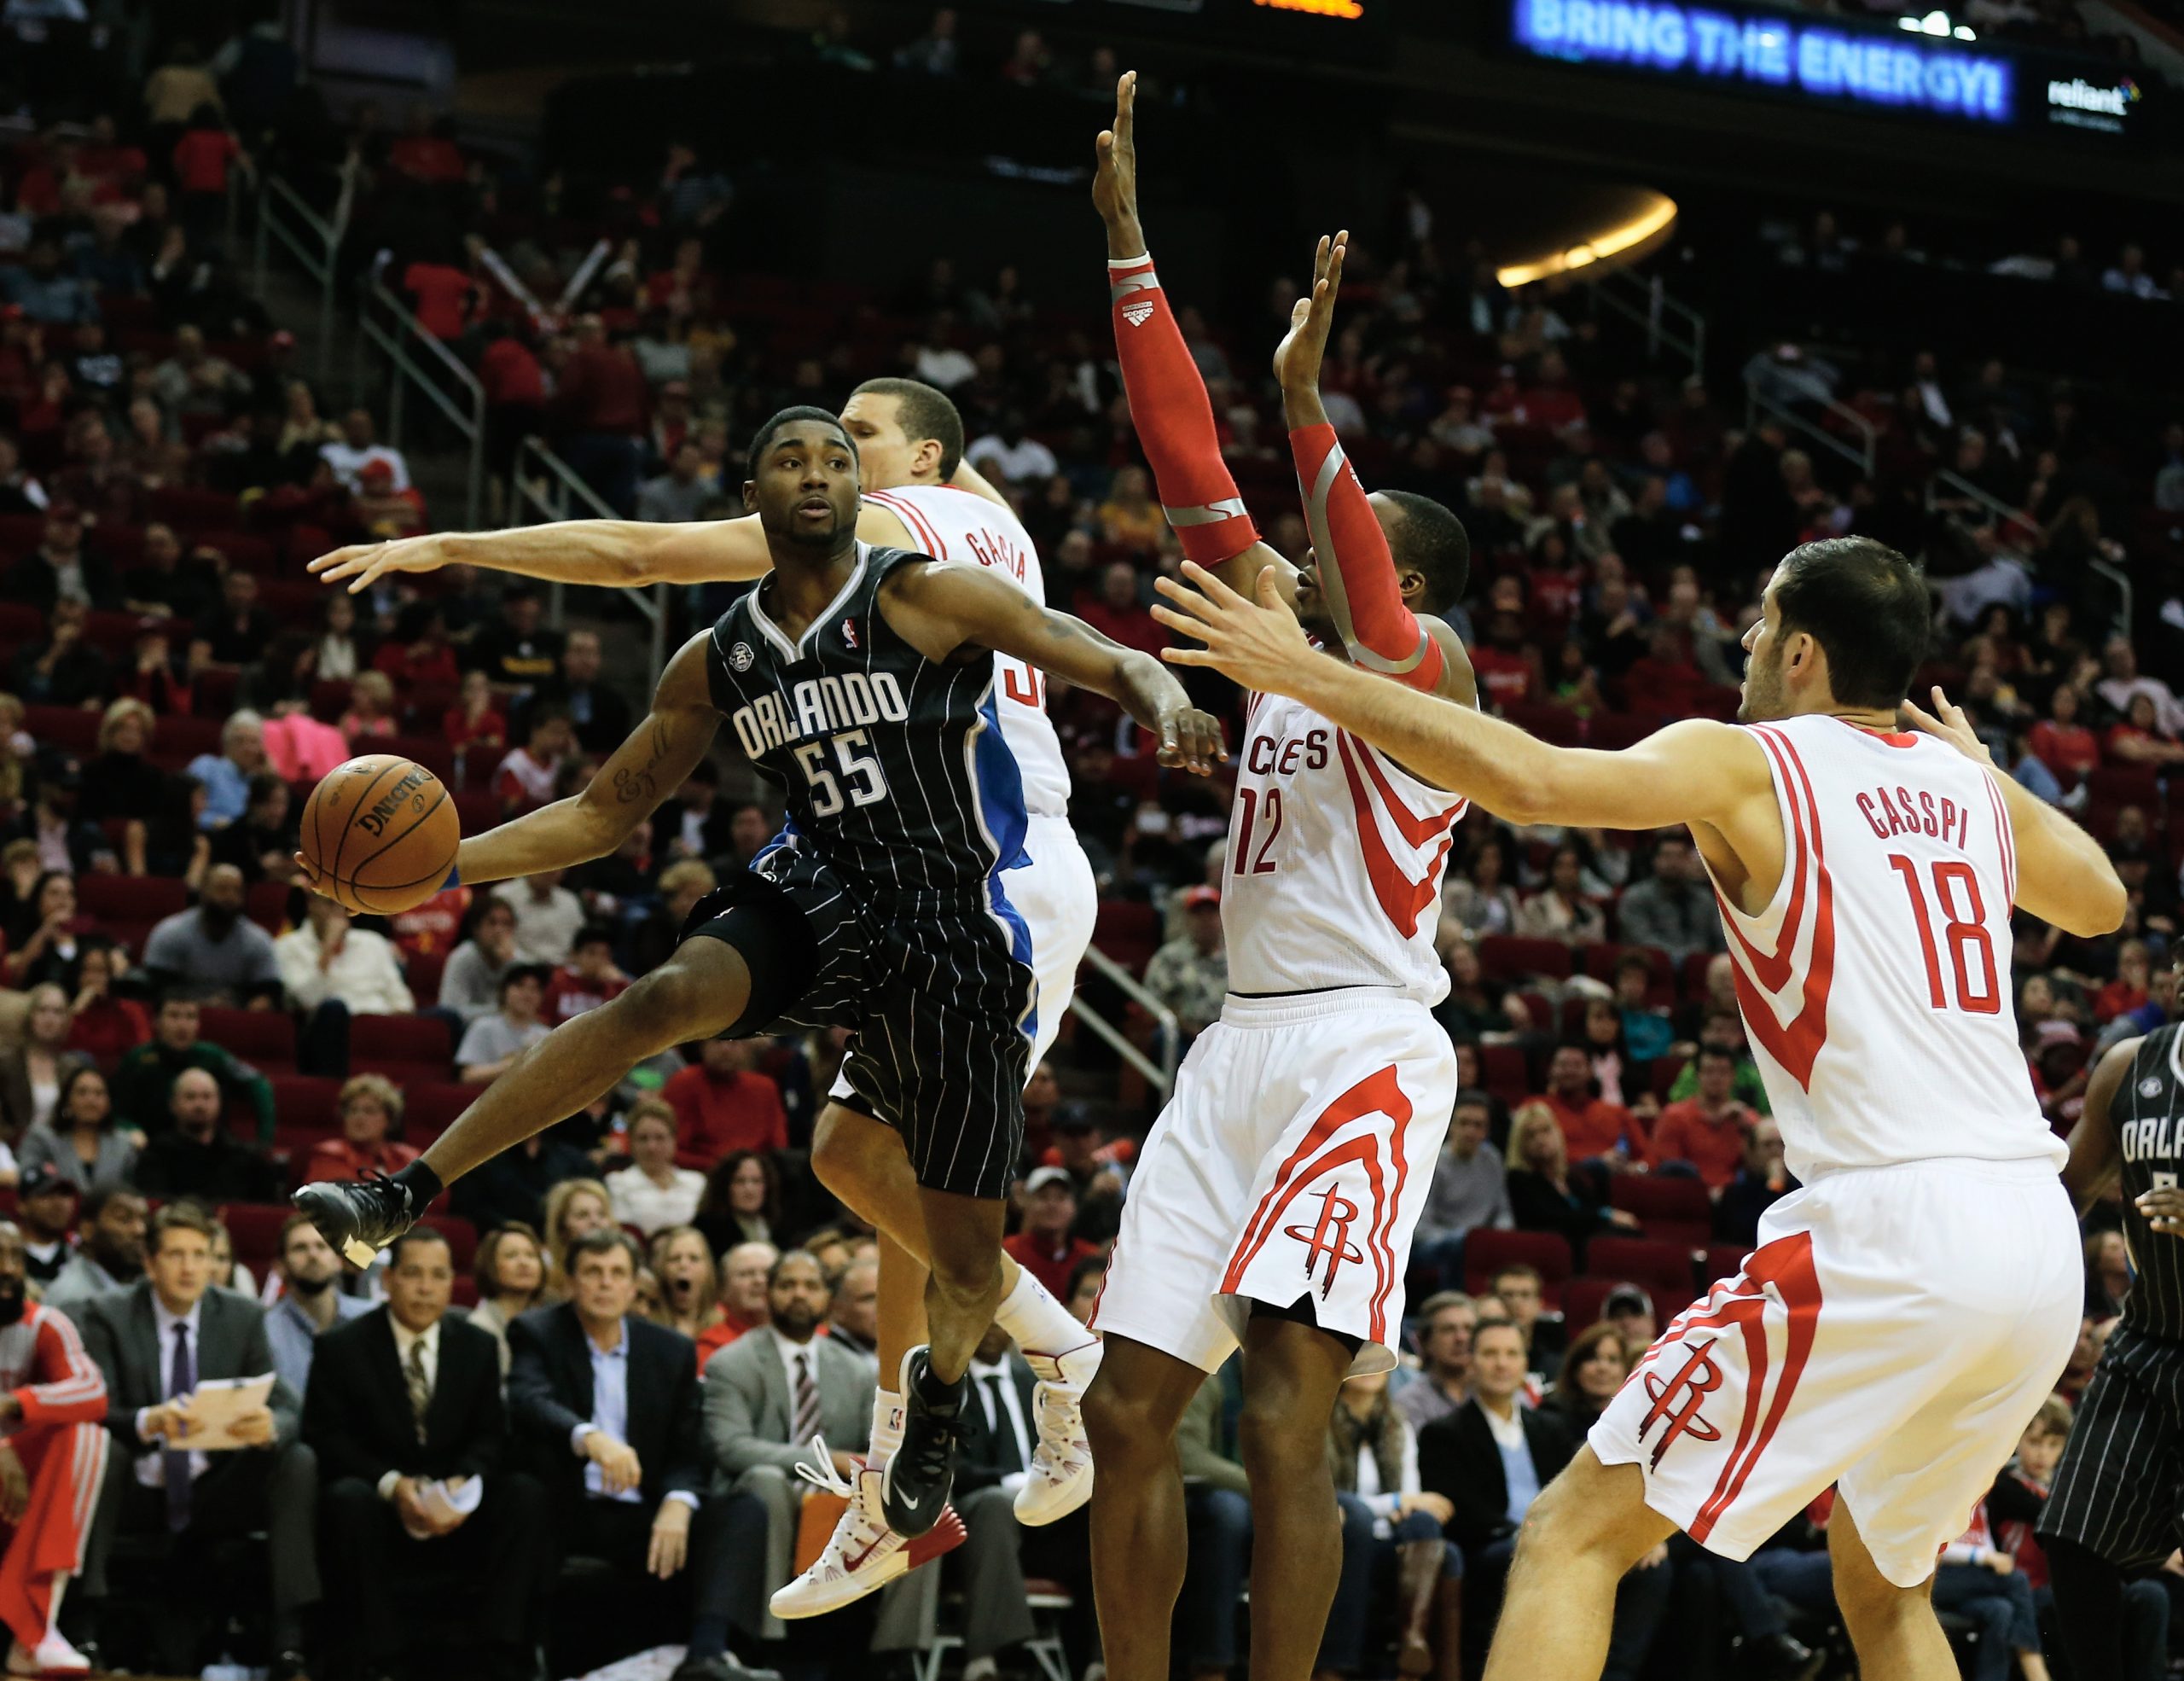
[
  {"x": 937, "y": 1393},
  {"x": 422, "y": 1182},
  {"x": 708, "y": 1638},
  {"x": 2088, "y": 1608}
]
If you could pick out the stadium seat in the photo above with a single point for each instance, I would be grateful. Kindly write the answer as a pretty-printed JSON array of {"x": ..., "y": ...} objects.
[
  {"x": 264, "y": 1038},
  {"x": 1508, "y": 1074},
  {"x": 306, "y": 1103},
  {"x": 266, "y": 904},
  {"x": 404, "y": 1038},
  {"x": 1666, "y": 1071},
  {"x": 254, "y": 1229},
  {"x": 461, "y": 1238},
  {"x": 1486, "y": 1250},
  {"x": 432, "y": 752},
  {"x": 1583, "y": 1298},
  {"x": 1128, "y": 931},
  {"x": 108, "y": 898},
  {"x": 1664, "y": 1267},
  {"x": 422, "y": 970},
  {"x": 429, "y": 1108},
  {"x": 1724, "y": 1260},
  {"x": 1672, "y": 1209},
  {"x": 1509, "y": 957},
  {"x": 71, "y": 729},
  {"x": 1600, "y": 963}
]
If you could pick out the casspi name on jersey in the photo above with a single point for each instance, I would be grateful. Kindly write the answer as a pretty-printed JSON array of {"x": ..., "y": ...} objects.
[{"x": 817, "y": 706}]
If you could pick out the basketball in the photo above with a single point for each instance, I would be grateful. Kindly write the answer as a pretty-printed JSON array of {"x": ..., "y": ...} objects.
[{"x": 382, "y": 831}]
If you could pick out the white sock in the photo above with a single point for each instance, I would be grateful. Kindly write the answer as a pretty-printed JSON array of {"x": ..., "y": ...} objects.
[
  {"x": 53, "y": 1606},
  {"x": 1039, "y": 1323},
  {"x": 886, "y": 1429}
]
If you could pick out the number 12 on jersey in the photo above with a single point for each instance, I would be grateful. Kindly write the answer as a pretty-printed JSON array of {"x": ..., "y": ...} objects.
[
  {"x": 1257, "y": 812},
  {"x": 1964, "y": 929}
]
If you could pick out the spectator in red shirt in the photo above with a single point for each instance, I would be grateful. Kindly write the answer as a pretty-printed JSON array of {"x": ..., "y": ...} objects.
[
  {"x": 725, "y": 1104},
  {"x": 602, "y": 400},
  {"x": 428, "y": 152},
  {"x": 201, "y": 158},
  {"x": 524, "y": 781},
  {"x": 515, "y": 392},
  {"x": 371, "y": 1110},
  {"x": 588, "y": 980},
  {"x": 2138, "y": 739},
  {"x": 1706, "y": 1134},
  {"x": 1046, "y": 1247},
  {"x": 418, "y": 655},
  {"x": 1119, "y": 614},
  {"x": 2130, "y": 990},
  {"x": 445, "y": 297},
  {"x": 1508, "y": 669},
  {"x": 101, "y": 1025},
  {"x": 2063, "y": 744},
  {"x": 1592, "y": 1131}
]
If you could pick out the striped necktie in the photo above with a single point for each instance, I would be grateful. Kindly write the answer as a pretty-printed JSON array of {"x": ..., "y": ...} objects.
[
  {"x": 420, "y": 1385},
  {"x": 806, "y": 1424}
]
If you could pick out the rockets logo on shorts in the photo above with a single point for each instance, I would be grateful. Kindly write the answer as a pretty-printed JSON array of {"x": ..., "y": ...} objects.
[
  {"x": 1330, "y": 1237},
  {"x": 1676, "y": 1401}
]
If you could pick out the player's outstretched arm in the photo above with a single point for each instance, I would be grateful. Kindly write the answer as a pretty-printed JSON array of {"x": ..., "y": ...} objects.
[
  {"x": 2063, "y": 876},
  {"x": 660, "y": 752},
  {"x": 941, "y": 607},
  {"x": 2095, "y": 1151},
  {"x": 615, "y": 553},
  {"x": 1693, "y": 772}
]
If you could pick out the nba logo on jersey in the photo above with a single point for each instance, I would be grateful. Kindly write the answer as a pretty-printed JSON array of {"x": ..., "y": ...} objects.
[
  {"x": 849, "y": 632},
  {"x": 1137, "y": 314},
  {"x": 740, "y": 657}
]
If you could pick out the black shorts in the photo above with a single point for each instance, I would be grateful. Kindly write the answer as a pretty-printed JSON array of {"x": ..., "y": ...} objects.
[
  {"x": 2119, "y": 1490},
  {"x": 937, "y": 988}
]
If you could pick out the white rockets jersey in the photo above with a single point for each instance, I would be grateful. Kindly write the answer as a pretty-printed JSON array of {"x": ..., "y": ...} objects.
[
  {"x": 953, "y": 525},
  {"x": 1876, "y": 984},
  {"x": 1335, "y": 858}
]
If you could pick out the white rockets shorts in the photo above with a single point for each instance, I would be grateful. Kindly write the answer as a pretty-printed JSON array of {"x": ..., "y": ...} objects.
[
  {"x": 1293, "y": 1159},
  {"x": 1058, "y": 900},
  {"x": 1893, "y": 1334}
]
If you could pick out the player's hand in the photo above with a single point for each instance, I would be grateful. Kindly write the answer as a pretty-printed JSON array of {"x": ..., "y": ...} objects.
[
  {"x": 360, "y": 565},
  {"x": 1297, "y": 358},
  {"x": 1114, "y": 172},
  {"x": 319, "y": 882},
  {"x": 1947, "y": 721},
  {"x": 1192, "y": 739},
  {"x": 2165, "y": 1210},
  {"x": 1259, "y": 644},
  {"x": 671, "y": 1539},
  {"x": 1654, "y": 1557},
  {"x": 619, "y": 1470},
  {"x": 2000, "y": 1563}
]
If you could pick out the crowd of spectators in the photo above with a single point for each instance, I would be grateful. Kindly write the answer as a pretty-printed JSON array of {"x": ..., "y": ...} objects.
[{"x": 186, "y": 1028}]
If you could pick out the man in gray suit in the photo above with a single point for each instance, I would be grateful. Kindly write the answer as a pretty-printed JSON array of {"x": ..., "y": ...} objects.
[
  {"x": 156, "y": 1342},
  {"x": 768, "y": 1394}
]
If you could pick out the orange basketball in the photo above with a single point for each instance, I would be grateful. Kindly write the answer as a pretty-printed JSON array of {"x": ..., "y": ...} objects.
[{"x": 383, "y": 831}]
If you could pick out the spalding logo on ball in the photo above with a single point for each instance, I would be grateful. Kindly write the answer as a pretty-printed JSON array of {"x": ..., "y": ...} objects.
[{"x": 380, "y": 832}]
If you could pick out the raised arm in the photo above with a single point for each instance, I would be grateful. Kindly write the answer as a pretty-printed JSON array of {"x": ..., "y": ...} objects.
[
  {"x": 2095, "y": 1151},
  {"x": 627, "y": 553},
  {"x": 941, "y": 607},
  {"x": 1167, "y": 404},
  {"x": 1708, "y": 774}
]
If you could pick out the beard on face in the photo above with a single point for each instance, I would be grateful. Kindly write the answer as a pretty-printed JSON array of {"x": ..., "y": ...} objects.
[
  {"x": 219, "y": 919},
  {"x": 14, "y": 1297},
  {"x": 311, "y": 1287},
  {"x": 1762, "y": 692}
]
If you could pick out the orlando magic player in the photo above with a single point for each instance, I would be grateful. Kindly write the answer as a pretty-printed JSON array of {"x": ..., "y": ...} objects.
[
  {"x": 861, "y": 682},
  {"x": 2118, "y": 1506}
]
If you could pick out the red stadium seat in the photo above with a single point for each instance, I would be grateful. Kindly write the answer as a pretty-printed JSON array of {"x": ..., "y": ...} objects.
[
  {"x": 1486, "y": 1251},
  {"x": 1672, "y": 1209},
  {"x": 183, "y": 738},
  {"x": 1508, "y": 1076},
  {"x": 71, "y": 729},
  {"x": 422, "y": 970},
  {"x": 1128, "y": 931},
  {"x": 266, "y": 904},
  {"x": 1583, "y": 1298},
  {"x": 306, "y": 1103},
  {"x": 1612, "y": 732},
  {"x": 1665, "y": 1267},
  {"x": 254, "y": 1228},
  {"x": 1507, "y": 958},
  {"x": 1600, "y": 963},
  {"x": 429, "y": 1108},
  {"x": 264, "y": 1038},
  {"x": 432, "y": 752},
  {"x": 404, "y": 1039},
  {"x": 1666, "y": 1071},
  {"x": 130, "y": 898},
  {"x": 1724, "y": 1260},
  {"x": 461, "y": 1238}
]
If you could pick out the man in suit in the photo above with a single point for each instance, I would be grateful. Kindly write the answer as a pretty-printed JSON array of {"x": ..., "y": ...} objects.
[
  {"x": 774, "y": 1397},
  {"x": 156, "y": 1342},
  {"x": 402, "y": 1397},
  {"x": 609, "y": 1407},
  {"x": 1489, "y": 1458}
]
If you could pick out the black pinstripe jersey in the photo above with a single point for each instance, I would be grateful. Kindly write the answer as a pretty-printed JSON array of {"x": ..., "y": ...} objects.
[
  {"x": 893, "y": 765},
  {"x": 2148, "y": 1116}
]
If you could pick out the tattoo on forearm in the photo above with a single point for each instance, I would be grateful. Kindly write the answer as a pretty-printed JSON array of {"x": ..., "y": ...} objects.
[{"x": 640, "y": 781}]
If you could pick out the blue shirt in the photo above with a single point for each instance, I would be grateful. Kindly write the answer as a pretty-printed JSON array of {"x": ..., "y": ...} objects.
[
  {"x": 289, "y": 1332},
  {"x": 227, "y": 790},
  {"x": 610, "y": 1411},
  {"x": 1518, "y": 1470}
]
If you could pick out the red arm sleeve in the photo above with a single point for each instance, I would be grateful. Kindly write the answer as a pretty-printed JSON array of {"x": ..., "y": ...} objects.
[
  {"x": 1356, "y": 571},
  {"x": 1174, "y": 420},
  {"x": 71, "y": 1389}
]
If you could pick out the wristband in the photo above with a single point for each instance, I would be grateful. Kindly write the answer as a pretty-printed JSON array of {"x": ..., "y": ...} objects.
[{"x": 454, "y": 878}]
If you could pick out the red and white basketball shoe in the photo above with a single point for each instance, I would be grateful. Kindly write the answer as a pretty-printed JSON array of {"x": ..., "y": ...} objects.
[
  {"x": 1059, "y": 1478},
  {"x": 863, "y": 1555}
]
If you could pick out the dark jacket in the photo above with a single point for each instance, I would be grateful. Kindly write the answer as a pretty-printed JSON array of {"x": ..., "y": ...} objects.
[
  {"x": 356, "y": 1414},
  {"x": 222, "y": 1170},
  {"x": 1459, "y": 1458},
  {"x": 550, "y": 1394},
  {"x": 122, "y": 1335},
  {"x": 980, "y": 1461}
]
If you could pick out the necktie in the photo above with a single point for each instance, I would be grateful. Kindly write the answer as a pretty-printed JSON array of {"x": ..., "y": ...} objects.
[
  {"x": 806, "y": 1425},
  {"x": 181, "y": 1379},
  {"x": 1007, "y": 1452},
  {"x": 420, "y": 1385}
]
